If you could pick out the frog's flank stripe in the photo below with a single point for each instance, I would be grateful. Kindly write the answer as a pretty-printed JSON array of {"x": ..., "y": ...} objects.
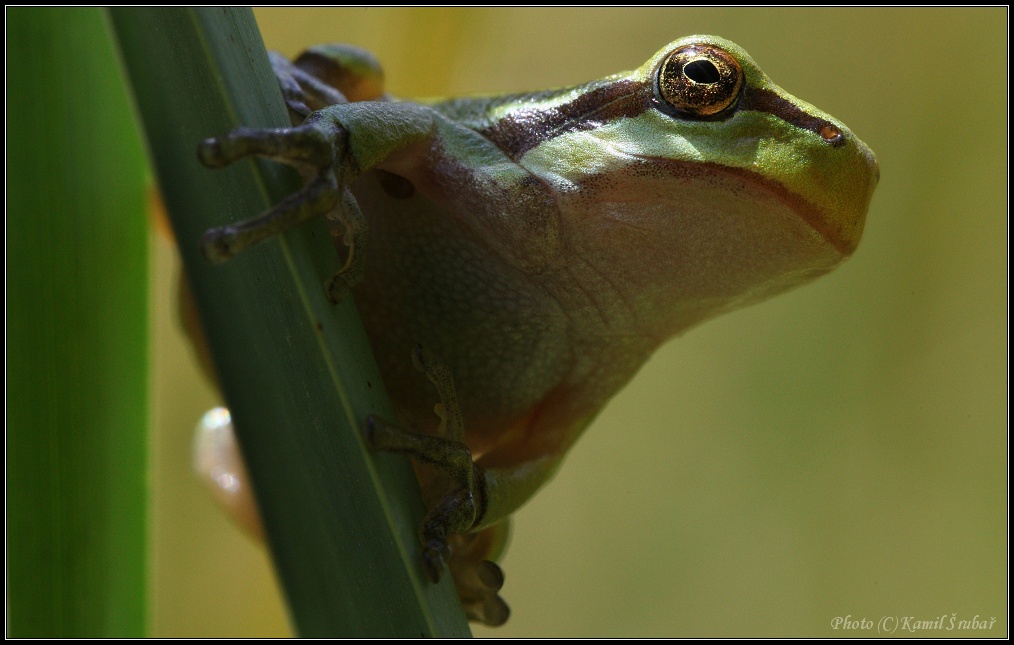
[
  {"x": 761, "y": 100},
  {"x": 525, "y": 129}
]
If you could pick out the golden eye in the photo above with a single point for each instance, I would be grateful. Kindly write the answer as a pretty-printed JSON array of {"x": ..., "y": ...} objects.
[{"x": 700, "y": 80}]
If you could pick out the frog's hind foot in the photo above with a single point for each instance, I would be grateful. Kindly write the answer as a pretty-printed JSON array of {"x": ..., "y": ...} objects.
[
  {"x": 456, "y": 511},
  {"x": 477, "y": 579},
  {"x": 445, "y": 534},
  {"x": 478, "y": 589}
]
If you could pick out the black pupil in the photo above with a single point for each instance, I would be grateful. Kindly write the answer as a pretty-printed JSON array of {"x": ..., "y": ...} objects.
[{"x": 701, "y": 71}]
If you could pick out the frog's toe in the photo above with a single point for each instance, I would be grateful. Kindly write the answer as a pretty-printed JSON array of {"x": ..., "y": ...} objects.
[
  {"x": 298, "y": 110},
  {"x": 218, "y": 244},
  {"x": 317, "y": 148},
  {"x": 295, "y": 98},
  {"x": 478, "y": 585},
  {"x": 337, "y": 288},
  {"x": 435, "y": 556},
  {"x": 315, "y": 143},
  {"x": 477, "y": 577},
  {"x": 492, "y": 611},
  {"x": 318, "y": 197},
  {"x": 354, "y": 237},
  {"x": 490, "y": 575}
]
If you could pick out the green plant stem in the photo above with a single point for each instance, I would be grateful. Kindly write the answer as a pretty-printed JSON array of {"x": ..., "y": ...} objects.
[{"x": 297, "y": 373}]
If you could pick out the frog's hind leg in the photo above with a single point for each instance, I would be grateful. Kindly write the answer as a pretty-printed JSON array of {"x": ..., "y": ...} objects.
[
  {"x": 444, "y": 532},
  {"x": 354, "y": 72},
  {"x": 327, "y": 75}
]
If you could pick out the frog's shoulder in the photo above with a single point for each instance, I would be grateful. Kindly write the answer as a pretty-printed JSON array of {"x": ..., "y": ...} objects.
[{"x": 481, "y": 111}]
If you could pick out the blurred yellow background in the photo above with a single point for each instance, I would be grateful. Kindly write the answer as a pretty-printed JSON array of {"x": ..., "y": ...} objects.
[{"x": 838, "y": 451}]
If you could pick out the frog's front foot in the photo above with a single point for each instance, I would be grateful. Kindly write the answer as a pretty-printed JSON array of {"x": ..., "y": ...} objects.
[{"x": 318, "y": 149}]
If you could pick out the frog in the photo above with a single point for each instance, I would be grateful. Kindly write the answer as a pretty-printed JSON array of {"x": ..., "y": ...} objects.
[{"x": 517, "y": 258}]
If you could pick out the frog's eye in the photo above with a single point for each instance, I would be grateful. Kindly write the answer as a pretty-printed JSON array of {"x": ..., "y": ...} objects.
[{"x": 700, "y": 80}]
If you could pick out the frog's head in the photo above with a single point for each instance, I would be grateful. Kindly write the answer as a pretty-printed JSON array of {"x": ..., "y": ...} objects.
[
  {"x": 724, "y": 110},
  {"x": 704, "y": 185}
]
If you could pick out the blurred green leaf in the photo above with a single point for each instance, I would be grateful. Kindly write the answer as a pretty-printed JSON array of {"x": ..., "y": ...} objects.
[{"x": 76, "y": 333}]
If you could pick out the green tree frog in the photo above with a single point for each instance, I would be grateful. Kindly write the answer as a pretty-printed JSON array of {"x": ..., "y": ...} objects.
[{"x": 517, "y": 258}]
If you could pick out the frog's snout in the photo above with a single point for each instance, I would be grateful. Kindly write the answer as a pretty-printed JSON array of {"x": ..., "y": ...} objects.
[{"x": 871, "y": 162}]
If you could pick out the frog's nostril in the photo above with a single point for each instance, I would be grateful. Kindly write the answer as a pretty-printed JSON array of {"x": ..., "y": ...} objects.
[{"x": 831, "y": 133}]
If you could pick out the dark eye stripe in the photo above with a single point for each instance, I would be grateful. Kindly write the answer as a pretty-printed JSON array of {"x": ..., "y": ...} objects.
[
  {"x": 526, "y": 128},
  {"x": 767, "y": 101}
]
